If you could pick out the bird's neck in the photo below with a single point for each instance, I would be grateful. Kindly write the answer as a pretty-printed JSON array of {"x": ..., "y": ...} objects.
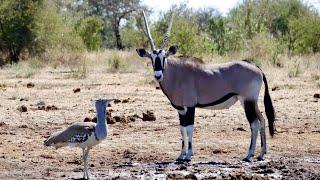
[{"x": 101, "y": 127}]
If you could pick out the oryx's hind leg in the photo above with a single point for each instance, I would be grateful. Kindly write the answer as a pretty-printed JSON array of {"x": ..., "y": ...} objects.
[
  {"x": 186, "y": 118},
  {"x": 250, "y": 111},
  {"x": 262, "y": 134}
]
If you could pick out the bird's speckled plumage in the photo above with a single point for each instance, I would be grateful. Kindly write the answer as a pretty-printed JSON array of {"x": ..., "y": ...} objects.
[{"x": 83, "y": 134}]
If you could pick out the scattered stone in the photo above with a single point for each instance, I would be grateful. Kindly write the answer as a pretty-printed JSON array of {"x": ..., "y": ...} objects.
[
  {"x": 157, "y": 87},
  {"x": 116, "y": 101},
  {"x": 133, "y": 118},
  {"x": 23, "y": 126},
  {"x": 2, "y": 124},
  {"x": 77, "y": 162},
  {"x": 76, "y": 90},
  {"x": 22, "y": 108},
  {"x": 275, "y": 88},
  {"x": 53, "y": 107},
  {"x": 317, "y": 95},
  {"x": 120, "y": 119},
  {"x": 47, "y": 156},
  {"x": 126, "y": 100},
  {"x": 86, "y": 119},
  {"x": 149, "y": 116},
  {"x": 128, "y": 154},
  {"x": 240, "y": 129},
  {"x": 30, "y": 85},
  {"x": 110, "y": 119},
  {"x": 41, "y": 105}
]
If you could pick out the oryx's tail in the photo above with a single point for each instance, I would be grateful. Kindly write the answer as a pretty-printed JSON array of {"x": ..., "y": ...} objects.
[{"x": 268, "y": 107}]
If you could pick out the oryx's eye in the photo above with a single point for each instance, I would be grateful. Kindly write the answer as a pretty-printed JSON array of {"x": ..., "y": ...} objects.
[
  {"x": 154, "y": 52},
  {"x": 160, "y": 51}
]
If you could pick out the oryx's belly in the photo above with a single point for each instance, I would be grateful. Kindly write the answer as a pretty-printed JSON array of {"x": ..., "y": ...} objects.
[{"x": 223, "y": 105}]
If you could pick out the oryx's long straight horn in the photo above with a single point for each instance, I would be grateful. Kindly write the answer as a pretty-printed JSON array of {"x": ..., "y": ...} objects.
[
  {"x": 148, "y": 32},
  {"x": 167, "y": 35}
]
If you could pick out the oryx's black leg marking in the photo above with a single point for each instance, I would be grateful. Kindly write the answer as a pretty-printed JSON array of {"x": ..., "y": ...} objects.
[
  {"x": 250, "y": 111},
  {"x": 249, "y": 108},
  {"x": 188, "y": 118},
  {"x": 187, "y": 122}
]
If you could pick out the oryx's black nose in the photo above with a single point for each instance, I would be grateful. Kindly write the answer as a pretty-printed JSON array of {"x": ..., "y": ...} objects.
[{"x": 157, "y": 77}]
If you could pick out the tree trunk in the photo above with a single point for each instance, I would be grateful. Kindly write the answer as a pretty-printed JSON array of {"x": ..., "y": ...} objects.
[
  {"x": 14, "y": 56},
  {"x": 117, "y": 34}
]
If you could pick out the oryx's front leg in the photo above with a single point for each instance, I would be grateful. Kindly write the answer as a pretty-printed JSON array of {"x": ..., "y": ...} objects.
[{"x": 186, "y": 118}]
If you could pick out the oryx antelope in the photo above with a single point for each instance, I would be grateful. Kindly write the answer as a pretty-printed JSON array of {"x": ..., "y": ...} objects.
[{"x": 189, "y": 85}]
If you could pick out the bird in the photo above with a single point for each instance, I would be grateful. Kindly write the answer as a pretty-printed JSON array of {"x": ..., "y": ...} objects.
[{"x": 83, "y": 134}]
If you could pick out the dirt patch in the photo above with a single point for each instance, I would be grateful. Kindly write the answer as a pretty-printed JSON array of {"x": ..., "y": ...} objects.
[{"x": 136, "y": 149}]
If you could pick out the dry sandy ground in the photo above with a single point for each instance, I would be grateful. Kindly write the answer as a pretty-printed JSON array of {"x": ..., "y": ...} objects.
[{"x": 140, "y": 149}]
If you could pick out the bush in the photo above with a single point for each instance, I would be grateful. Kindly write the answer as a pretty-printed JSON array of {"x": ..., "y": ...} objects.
[{"x": 90, "y": 31}]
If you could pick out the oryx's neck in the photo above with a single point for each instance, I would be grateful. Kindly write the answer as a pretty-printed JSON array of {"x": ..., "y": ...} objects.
[
  {"x": 101, "y": 127},
  {"x": 170, "y": 79}
]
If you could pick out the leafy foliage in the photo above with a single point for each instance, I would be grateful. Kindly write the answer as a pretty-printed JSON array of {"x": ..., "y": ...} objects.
[
  {"x": 17, "y": 21},
  {"x": 90, "y": 31}
]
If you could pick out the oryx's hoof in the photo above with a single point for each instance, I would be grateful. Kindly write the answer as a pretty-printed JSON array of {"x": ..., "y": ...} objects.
[
  {"x": 246, "y": 159},
  {"x": 182, "y": 161},
  {"x": 179, "y": 160},
  {"x": 260, "y": 158}
]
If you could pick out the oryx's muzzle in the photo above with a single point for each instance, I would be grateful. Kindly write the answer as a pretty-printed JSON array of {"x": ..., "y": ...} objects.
[{"x": 158, "y": 75}]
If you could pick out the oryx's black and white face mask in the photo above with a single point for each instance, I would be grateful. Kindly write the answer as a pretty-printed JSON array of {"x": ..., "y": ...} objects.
[{"x": 158, "y": 58}]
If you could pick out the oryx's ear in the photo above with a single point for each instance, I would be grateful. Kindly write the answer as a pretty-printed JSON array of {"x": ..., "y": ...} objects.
[
  {"x": 172, "y": 50},
  {"x": 143, "y": 53}
]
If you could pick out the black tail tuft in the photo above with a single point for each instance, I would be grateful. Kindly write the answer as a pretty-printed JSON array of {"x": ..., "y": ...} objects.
[{"x": 268, "y": 107}]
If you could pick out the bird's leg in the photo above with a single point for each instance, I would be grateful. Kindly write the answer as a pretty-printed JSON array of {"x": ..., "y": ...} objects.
[{"x": 84, "y": 162}]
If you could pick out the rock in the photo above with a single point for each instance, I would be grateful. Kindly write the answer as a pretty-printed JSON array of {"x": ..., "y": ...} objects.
[
  {"x": 53, "y": 107},
  {"x": 116, "y": 101},
  {"x": 157, "y": 87},
  {"x": 126, "y": 100},
  {"x": 240, "y": 129},
  {"x": 76, "y": 90},
  {"x": 22, "y": 108},
  {"x": 23, "y": 126},
  {"x": 41, "y": 105},
  {"x": 133, "y": 118},
  {"x": 30, "y": 85},
  {"x": 94, "y": 120},
  {"x": 275, "y": 88},
  {"x": 86, "y": 119},
  {"x": 149, "y": 116},
  {"x": 110, "y": 119},
  {"x": 120, "y": 119},
  {"x": 317, "y": 95}
]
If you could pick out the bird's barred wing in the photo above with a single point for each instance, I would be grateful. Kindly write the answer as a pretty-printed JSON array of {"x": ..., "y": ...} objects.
[{"x": 76, "y": 133}]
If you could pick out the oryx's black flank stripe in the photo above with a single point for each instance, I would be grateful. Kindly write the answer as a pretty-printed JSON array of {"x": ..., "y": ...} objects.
[{"x": 219, "y": 101}]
